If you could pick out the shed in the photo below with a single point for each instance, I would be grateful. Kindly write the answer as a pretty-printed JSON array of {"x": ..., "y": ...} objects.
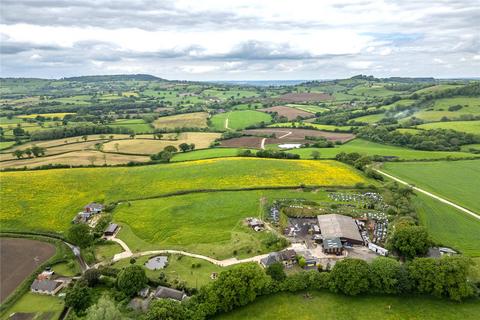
[
  {"x": 93, "y": 207},
  {"x": 111, "y": 229},
  {"x": 332, "y": 245}
]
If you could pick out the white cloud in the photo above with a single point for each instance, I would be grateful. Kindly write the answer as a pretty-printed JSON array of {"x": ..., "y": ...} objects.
[{"x": 248, "y": 39}]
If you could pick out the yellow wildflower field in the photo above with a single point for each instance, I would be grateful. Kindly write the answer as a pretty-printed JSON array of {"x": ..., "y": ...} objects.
[{"x": 49, "y": 199}]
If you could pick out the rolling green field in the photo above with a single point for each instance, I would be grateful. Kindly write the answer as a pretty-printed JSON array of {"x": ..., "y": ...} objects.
[
  {"x": 463, "y": 126},
  {"x": 137, "y": 125},
  {"x": 308, "y": 108},
  {"x": 449, "y": 226},
  {"x": 326, "y": 127},
  {"x": 372, "y": 148},
  {"x": 324, "y": 305},
  {"x": 457, "y": 181},
  {"x": 181, "y": 222},
  {"x": 206, "y": 154},
  {"x": 470, "y": 106},
  {"x": 49, "y": 199},
  {"x": 6, "y": 144},
  {"x": 371, "y": 118},
  {"x": 238, "y": 120}
]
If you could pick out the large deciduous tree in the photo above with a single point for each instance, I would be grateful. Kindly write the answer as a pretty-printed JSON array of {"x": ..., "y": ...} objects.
[
  {"x": 350, "y": 276},
  {"x": 131, "y": 280}
]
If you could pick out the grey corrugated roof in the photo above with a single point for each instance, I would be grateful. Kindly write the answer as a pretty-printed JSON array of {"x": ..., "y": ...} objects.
[
  {"x": 164, "y": 292},
  {"x": 338, "y": 226},
  {"x": 44, "y": 285},
  {"x": 330, "y": 243},
  {"x": 111, "y": 227}
]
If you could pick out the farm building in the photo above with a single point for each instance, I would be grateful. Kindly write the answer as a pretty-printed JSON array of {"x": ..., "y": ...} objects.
[
  {"x": 270, "y": 259},
  {"x": 332, "y": 246},
  {"x": 169, "y": 293},
  {"x": 46, "y": 286},
  {"x": 111, "y": 229},
  {"x": 93, "y": 207},
  {"x": 289, "y": 257},
  {"x": 339, "y": 226}
]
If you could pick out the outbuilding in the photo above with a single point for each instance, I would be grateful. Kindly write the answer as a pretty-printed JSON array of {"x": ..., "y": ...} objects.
[
  {"x": 111, "y": 229},
  {"x": 332, "y": 246}
]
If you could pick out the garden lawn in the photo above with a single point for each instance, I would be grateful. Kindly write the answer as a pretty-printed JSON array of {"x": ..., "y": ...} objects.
[
  {"x": 239, "y": 119},
  {"x": 457, "y": 181},
  {"x": 371, "y": 148},
  {"x": 179, "y": 268},
  {"x": 49, "y": 199},
  {"x": 449, "y": 226},
  {"x": 105, "y": 252},
  {"x": 182, "y": 222},
  {"x": 46, "y": 307},
  {"x": 324, "y": 305}
]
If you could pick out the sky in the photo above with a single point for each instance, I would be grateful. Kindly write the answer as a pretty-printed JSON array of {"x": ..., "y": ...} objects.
[{"x": 240, "y": 40}]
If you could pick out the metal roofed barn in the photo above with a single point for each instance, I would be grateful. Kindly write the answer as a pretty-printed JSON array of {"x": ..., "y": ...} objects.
[{"x": 339, "y": 226}]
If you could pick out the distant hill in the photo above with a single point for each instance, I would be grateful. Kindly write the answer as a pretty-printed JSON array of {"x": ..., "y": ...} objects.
[{"x": 117, "y": 77}]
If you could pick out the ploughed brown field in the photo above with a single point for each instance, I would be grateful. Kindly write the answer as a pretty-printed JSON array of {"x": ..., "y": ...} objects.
[
  {"x": 303, "y": 97},
  {"x": 18, "y": 259},
  {"x": 290, "y": 113},
  {"x": 283, "y": 135}
]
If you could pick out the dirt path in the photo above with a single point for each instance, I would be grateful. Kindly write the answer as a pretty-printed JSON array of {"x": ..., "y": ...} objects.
[
  {"x": 262, "y": 144},
  {"x": 473, "y": 214},
  {"x": 226, "y": 124},
  {"x": 127, "y": 253},
  {"x": 285, "y": 135}
]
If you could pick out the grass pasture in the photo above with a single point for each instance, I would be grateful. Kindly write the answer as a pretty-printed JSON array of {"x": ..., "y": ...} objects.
[
  {"x": 42, "y": 306},
  {"x": 137, "y": 125},
  {"x": 449, "y": 226},
  {"x": 325, "y": 305},
  {"x": 463, "y": 126},
  {"x": 188, "y": 120},
  {"x": 206, "y": 154},
  {"x": 371, "y": 148},
  {"x": 308, "y": 108},
  {"x": 49, "y": 199},
  {"x": 457, "y": 181},
  {"x": 238, "y": 119},
  {"x": 181, "y": 222}
]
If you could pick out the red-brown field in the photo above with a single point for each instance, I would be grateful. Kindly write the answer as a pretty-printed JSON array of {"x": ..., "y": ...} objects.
[
  {"x": 290, "y": 113},
  {"x": 243, "y": 142},
  {"x": 18, "y": 259},
  {"x": 298, "y": 135},
  {"x": 282, "y": 135},
  {"x": 303, "y": 97}
]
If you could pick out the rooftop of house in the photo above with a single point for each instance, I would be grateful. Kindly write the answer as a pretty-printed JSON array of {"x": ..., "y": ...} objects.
[
  {"x": 169, "y": 293},
  {"x": 271, "y": 259},
  {"x": 45, "y": 285},
  {"x": 338, "y": 226}
]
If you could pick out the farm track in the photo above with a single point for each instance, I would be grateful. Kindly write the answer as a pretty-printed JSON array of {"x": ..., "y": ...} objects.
[
  {"x": 456, "y": 206},
  {"x": 226, "y": 124},
  {"x": 127, "y": 253}
]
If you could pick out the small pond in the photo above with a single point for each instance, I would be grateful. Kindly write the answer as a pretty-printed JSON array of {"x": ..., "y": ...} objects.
[{"x": 157, "y": 263}]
